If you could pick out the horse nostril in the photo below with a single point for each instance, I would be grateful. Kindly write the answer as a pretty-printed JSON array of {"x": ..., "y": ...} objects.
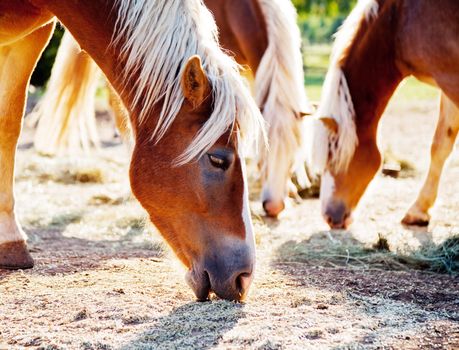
[
  {"x": 243, "y": 282},
  {"x": 272, "y": 208}
]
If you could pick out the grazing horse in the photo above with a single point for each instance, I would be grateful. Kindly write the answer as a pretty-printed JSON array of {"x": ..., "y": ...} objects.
[
  {"x": 190, "y": 112},
  {"x": 261, "y": 34},
  {"x": 381, "y": 43}
]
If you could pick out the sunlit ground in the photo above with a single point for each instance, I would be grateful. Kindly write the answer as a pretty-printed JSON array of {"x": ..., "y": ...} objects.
[{"x": 104, "y": 279}]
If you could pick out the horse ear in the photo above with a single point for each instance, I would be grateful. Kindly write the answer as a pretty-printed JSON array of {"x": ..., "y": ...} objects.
[
  {"x": 195, "y": 84},
  {"x": 330, "y": 124}
]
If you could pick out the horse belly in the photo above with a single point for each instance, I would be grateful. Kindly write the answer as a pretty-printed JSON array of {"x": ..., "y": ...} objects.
[{"x": 19, "y": 18}]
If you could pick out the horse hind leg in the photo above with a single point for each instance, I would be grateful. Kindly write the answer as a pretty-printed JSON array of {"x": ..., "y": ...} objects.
[
  {"x": 17, "y": 61},
  {"x": 443, "y": 143}
]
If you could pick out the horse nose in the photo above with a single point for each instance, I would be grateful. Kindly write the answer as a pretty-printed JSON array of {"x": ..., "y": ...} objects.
[
  {"x": 336, "y": 216},
  {"x": 233, "y": 288},
  {"x": 230, "y": 272},
  {"x": 273, "y": 208}
]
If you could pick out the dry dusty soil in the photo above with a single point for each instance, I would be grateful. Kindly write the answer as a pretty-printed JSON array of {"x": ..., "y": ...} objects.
[{"x": 105, "y": 280}]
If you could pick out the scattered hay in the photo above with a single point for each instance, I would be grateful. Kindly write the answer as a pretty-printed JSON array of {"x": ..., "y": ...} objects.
[
  {"x": 396, "y": 167},
  {"x": 135, "y": 319},
  {"x": 106, "y": 199},
  {"x": 62, "y": 173},
  {"x": 311, "y": 192},
  {"x": 322, "y": 251},
  {"x": 443, "y": 258},
  {"x": 95, "y": 346},
  {"x": 65, "y": 219},
  {"x": 81, "y": 315},
  {"x": 381, "y": 244},
  {"x": 84, "y": 175}
]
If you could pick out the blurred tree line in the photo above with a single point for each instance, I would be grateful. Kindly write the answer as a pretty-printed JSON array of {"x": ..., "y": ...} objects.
[
  {"x": 330, "y": 8},
  {"x": 318, "y": 21}
]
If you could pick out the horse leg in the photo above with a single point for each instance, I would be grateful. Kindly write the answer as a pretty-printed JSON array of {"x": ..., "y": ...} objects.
[
  {"x": 17, "y": 61},
  {"x": 443, "y": 143}
]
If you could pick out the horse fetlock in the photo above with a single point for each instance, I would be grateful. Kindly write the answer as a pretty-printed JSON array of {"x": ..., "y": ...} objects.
[
  {"x": 10, "y": 229},
  {"x": 416, "y": 217}
]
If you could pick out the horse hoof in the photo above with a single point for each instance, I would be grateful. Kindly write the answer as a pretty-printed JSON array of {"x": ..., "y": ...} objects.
[
  {"x": 14, "y": 256},
  {"x": 414, "y": 220}
]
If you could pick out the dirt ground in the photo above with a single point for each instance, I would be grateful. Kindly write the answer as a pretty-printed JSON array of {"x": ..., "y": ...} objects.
[{"x": 105, "y": 280}]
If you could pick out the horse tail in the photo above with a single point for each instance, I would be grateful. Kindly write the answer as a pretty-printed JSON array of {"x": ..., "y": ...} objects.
[
  {"x": 121, "y": 117},
  {"x": 279, "y": 84},
  {"x": 66, "y": 114}
]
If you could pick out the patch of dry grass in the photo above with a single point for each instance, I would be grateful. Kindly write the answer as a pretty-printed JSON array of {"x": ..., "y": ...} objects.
[{"x": 442, "y": 258}]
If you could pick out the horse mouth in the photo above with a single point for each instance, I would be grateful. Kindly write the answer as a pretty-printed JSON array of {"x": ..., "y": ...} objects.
[
  {"x": 199, "y": 283},
  {"x": 340, "y": 225}
]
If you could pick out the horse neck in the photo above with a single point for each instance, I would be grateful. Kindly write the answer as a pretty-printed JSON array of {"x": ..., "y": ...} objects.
[
  {"x": 371, "y": 69},
  {"x": 93, "y": 25}
]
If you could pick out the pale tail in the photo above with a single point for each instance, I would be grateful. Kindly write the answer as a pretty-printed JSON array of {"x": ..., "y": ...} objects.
[
  {"x": 279, "y": 89},
  {"x": 66, "y": 117}
]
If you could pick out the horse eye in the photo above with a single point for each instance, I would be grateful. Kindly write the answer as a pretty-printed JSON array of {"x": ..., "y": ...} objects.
[{"x": 218, "y": 161}]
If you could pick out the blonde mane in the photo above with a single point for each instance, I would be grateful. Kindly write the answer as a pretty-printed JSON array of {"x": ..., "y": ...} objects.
[
  {"x": 279, "y": 85},
  {"x": 336, "y": 101},
  {"x": 160, "y": 36}
]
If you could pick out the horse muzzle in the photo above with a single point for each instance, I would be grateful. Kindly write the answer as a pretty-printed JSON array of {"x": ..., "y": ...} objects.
[
  {"x": 337, "y": 215},
  {"x": 226, "y": 272}
]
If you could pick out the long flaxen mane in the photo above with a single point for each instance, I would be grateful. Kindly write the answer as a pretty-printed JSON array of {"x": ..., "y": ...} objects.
[
  {"x": 338, "y": 148},
  {"x": 159, "y": 38},
  {"x": 279, "y": 84}
]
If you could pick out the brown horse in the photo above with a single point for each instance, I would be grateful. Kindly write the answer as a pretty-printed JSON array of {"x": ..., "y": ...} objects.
[
  {"x": 381, "y": 43},
  {"x": 188, "y": 107},
  {"x": 261, "y": 35}
]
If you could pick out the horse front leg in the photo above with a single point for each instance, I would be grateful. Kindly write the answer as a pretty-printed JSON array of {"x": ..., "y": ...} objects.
[
  {"x": 17, "y": 61},
  {"x": 443, "y": 143}
]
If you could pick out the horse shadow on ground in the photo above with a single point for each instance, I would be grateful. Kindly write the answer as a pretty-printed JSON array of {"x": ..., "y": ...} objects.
[
  {"x": 54, "y": 253},
  {"x": 191, "y": 326}
]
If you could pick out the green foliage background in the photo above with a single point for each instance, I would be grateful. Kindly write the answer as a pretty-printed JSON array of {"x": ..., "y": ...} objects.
[
  {"x": 41, "y": 74},
  {"x": 319, "y": 19}
]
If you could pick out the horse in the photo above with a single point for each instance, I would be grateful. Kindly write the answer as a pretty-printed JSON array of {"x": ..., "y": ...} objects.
[
  {"x": 381, "y": 43},
  {"x": 192, "y": 117},
  {"x": 263, "y": 37}
]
